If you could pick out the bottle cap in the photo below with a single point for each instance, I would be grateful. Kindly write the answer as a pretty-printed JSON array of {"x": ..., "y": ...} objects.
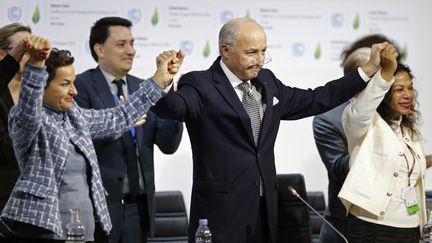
[{"x": 203, "y": 222}]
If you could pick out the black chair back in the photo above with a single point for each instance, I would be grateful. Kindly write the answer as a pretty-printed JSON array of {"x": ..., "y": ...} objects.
[
  {"x": 293, "y": 214},
  {"x": 171, "y": 221}
]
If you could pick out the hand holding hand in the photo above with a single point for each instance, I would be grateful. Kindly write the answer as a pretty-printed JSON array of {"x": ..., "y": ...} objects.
[
  {"x": 168, "y": 64},
  {"x": 39, "y": 49},
  {"x": 174, "y": 65},
  {"x": 388, "y": 62},
  {"x": 373, "y": 65}
]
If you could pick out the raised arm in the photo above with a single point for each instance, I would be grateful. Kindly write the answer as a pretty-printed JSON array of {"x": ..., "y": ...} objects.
[
  {"x": 358, "y": 116},
  {"x": 188, "y": 101},
  {"x": 109, "y": 122},
  {"x": 25, "y": 119},
  {"x": 374, "y": 63}
]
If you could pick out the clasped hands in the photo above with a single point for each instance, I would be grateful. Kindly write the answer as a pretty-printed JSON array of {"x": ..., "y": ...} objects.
[
  {"x": 383, "y": 55},
  {"x": 168, "y": 64},
  {"x": 38, "y": 48}
]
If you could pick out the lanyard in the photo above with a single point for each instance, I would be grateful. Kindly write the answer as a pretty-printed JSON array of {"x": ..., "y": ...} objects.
[{"x": 410, "y": 171}]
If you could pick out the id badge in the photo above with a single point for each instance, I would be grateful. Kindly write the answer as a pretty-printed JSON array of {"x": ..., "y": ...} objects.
[{"x": 409, "y": 195}]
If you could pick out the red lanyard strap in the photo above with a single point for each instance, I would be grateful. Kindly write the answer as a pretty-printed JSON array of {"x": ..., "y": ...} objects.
[{"x": 410, "y": 171}]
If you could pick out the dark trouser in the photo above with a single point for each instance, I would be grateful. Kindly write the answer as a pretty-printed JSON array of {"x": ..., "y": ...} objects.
[
  {"x": 359, "y": 231},
  {"x": 134, "y": 226},
  {"x": 261, "y": 230},
  {"x": 99, "y": 236},
  {"x": 32, "y": 241},
  {"x": 329, "y": 235},
  {"x": 36, "y": 241}
]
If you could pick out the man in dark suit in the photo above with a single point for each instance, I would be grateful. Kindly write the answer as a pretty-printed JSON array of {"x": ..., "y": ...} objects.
[
  {"x": 234, "y": 174},
  {"x": 126, "y": 162}
]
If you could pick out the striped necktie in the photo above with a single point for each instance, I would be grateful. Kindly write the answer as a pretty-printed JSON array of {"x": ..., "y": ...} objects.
[{"x": 251, "y": 106}]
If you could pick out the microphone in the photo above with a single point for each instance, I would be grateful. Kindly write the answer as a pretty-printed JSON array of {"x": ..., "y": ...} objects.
[{"x": 294, "y": 193}]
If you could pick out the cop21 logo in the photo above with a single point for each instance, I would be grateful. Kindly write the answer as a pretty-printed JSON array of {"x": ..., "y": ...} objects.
[{"x": 14, "y": 13}]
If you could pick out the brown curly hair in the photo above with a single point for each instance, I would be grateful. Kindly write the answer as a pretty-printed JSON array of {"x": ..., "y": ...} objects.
[
  {"x": 408, "y": 121},
  {"x": 57, "y": 59}
]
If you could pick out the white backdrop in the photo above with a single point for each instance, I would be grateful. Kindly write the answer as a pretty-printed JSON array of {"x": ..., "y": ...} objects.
[{"x": 305, "y": 38}]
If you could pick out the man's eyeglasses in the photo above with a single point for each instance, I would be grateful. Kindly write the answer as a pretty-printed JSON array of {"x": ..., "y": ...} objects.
[
  {"x": 256, "y": 55},
  {"x": 267, "y": 57}
]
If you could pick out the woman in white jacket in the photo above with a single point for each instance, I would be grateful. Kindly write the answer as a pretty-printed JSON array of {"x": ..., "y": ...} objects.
[{"x": 384, "y": 190}]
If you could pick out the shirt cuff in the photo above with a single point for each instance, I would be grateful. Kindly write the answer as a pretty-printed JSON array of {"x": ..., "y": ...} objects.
[
  {"x": 381, "y": 82},
  {"x": 35, "y": 68},
  {"x": 363, "y": 74},
  {"x": 156, "y": 86},
  {"x": 167, "y": 89}
]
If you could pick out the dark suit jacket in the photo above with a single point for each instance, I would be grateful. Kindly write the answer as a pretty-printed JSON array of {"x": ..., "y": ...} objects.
[
  {"x": 332, "y": 146},
  {"x": 9, "y": 171},
  {"x": 94, "y": 92},
  {"x": 226, "y": 163}
]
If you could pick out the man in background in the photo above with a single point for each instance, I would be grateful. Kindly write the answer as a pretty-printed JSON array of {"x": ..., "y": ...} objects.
[{"x": 126, "y": 162}]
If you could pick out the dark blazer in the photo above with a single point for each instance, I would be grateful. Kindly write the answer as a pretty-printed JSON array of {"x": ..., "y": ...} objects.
[
  {"x": 94, "y": 92},
  {"x": 332, "y": 146},
  {"x": 226, "y": 163},
  {"x": 9, "y": 171}
]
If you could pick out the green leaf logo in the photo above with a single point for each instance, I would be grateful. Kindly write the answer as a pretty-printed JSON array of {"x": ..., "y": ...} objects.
[
  {"x": 155, "y": 17},
  {"x": 36, "y": 15},
  {"x": 404, "y": 53},
  {"x": 317, "y": 52},
  {"x": 206, "y": 51},
  {"x": 356, "y": 22}
]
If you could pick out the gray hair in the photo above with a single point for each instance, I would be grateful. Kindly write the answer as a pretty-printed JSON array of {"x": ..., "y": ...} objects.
[
  {"x": 8, "y": 31},
  {"x": 356, "y": 59},
  {"x": 229, "y": 31}
]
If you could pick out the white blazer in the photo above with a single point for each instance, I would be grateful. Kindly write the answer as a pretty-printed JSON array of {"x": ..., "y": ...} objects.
[{"x": 376, "y": 154}]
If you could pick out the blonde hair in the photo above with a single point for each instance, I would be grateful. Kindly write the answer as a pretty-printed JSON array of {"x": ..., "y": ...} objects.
[{"x": 8, "y": 31}]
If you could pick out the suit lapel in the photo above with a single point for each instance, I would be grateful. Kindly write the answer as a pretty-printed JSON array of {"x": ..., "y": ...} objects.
[
  {"x": 227, "y": 92},
  {"x": 102, "y": 89},
  {"x": 267, "y": 99},
  {"x": 133, "y": 85}
]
